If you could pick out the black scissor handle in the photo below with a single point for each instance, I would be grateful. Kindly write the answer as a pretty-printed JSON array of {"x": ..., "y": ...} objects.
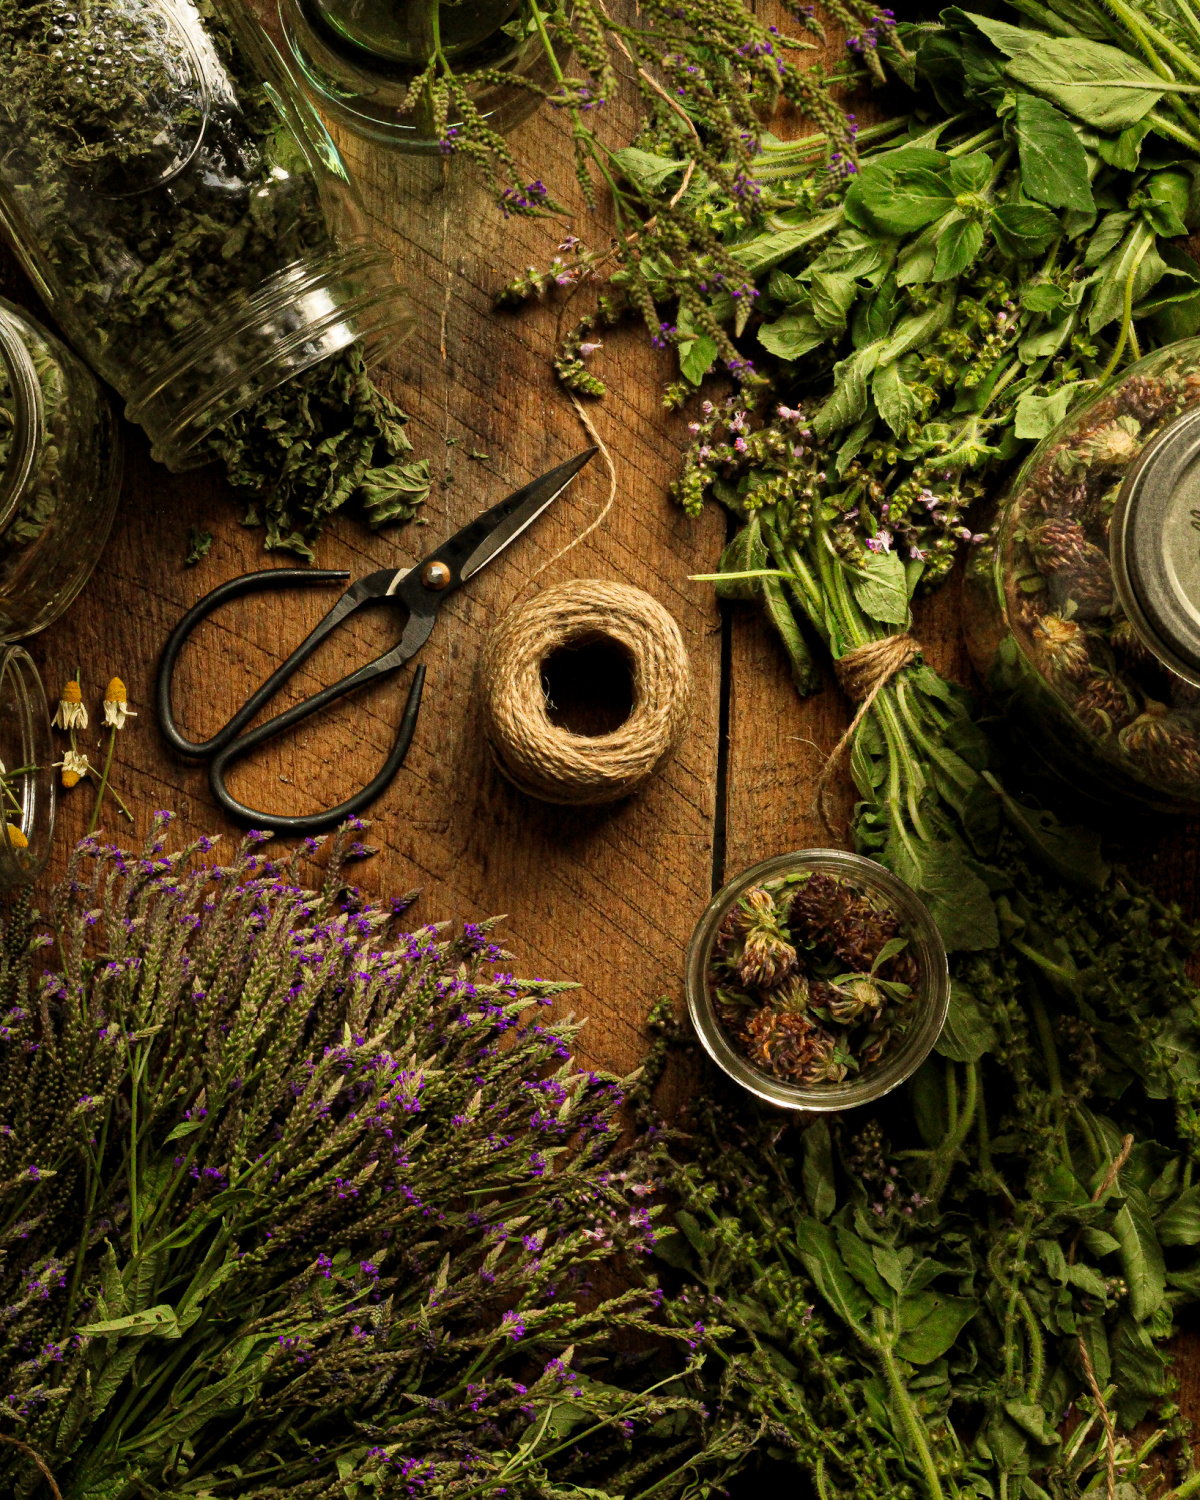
[
  {"x": 320, "y": 822},
  {"x": 226, "y": 746},
  {"x": 248, "y": 583}
]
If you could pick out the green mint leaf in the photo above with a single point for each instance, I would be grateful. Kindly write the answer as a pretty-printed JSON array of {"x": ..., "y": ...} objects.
[
  {"x": 849, "y": 399},
  {"x": 1054, "y": 167},
  {"x": 697, "y": 357},
  {"x": 746, "y": 553},
  {"x": 792, "y": 334},
  {"x": 1042, "y": 297},
  {"x": 833, "y": 295},
  {"x": 1099, "y": 85},
  {"x": 1124, "y": 150},
  {"x": 882, "y": 591},
  {"x": 932, "y": 1321},
  {"x": 1023, "y": 230},
  {"x": 967, "y": 1034},
  {"x": 1034, "y": 416},
  {"x": 895, "y": 399},
  {"x": 1108, "y": 297},
  {"x": 1180, "y": 1224},
  {"x": 1142, "y": 1263},
  {"x": 806, "y": 675},
  {"x": 970, "y": 174},
  {"x": 647, "y": 171},
  {"x": 817, "y": 1170},
  {"x": 958, "y": 244},
  {"x": 900, "y": 196}
]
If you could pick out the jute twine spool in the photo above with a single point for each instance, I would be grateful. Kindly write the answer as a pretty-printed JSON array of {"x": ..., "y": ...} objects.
[{"x": 552, "y": 763}]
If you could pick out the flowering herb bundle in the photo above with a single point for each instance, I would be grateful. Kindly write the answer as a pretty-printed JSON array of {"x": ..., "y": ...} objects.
[
  {"x": 687, "y": 184},
  {"x": 298, "y": 1205},
  {"x": 967, "y": 1289}
]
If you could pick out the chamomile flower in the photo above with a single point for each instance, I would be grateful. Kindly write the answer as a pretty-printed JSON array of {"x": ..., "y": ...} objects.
[
  {"x": 74, "y": 766},
  {"x": 116, "y": 705},
  {"x": 71, "y": 712}
]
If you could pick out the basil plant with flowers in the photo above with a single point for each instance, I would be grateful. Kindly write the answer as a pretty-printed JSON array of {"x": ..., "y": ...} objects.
[{"x": 298, "y": 1204}]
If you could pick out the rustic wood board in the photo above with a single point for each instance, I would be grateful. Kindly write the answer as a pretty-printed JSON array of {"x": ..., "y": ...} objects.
[{"x": 607, "y": 897}]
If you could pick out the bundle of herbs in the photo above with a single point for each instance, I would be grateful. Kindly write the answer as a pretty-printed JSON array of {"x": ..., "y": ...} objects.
[
  {"x": 967, "y": 1289},
  {"x": 159, "y": 182},
  {"x": 298, "y": 1205}
]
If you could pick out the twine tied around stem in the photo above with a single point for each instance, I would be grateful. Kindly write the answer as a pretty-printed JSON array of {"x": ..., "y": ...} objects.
[{"x": 862, "y": 673}]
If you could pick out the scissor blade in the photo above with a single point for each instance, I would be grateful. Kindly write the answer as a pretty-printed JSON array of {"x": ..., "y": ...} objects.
[{"x": 505, "y": 522}]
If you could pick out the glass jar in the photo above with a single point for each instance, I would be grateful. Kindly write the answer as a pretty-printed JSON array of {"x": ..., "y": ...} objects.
[
  {"x": 26, "y": 770},
  {"x": 1082, "y": 605},
  {"x": 181, "y": 208},
  {"x": 885, "y": 1058},
  {"x": 358, "y": 58},
  {"x": 60, "y": 474}
]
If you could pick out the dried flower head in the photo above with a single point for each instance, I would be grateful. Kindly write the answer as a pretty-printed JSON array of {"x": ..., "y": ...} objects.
[
  {"x": 1080, "y": 569},
  {"x": 116, "y": 705},
  {"x": 74, "y": 766},
  {"x": 793, "y": 1047},
  {"x": 71, "y": 712},
  {"x": 16, "y": 838},
  {"x": 1062, "y": 646},
  {"x": 1116, "y": 443},
  {"x": 1165, "y": 743},
  {"x": 848, "y": 1000},
  {"x": 1105, "y": 705},
  {"x": 757, "y": 942}
]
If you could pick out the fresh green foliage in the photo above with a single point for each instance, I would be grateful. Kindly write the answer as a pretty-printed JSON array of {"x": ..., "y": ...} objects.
[
  {"x": 684, "y": 191},
  {"x": 914, "y": 1288},
  {"x": 298, "y": 1205}
]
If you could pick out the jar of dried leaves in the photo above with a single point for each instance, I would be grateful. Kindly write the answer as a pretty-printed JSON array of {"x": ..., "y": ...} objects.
[
  {"x": 60, "y": 474},
  {"x": 182, "y": 209},
  {"x": 817, "y": 980},
  {"x": 27, "y": 789},
  {"x": 1082, "y": 605}
]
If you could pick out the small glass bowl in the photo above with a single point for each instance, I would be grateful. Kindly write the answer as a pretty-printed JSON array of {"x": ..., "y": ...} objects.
[{"x": 929, "y": 1002}]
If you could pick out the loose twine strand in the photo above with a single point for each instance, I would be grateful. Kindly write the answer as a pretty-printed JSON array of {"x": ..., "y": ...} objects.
[
  {"x": 550, "y": 762},
  {"x": 37, "y": 1458},
  {"x": 862, "y": 674}
]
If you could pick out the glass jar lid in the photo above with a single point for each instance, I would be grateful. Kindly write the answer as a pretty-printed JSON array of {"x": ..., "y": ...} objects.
[{"x": 1155, "y": 546}]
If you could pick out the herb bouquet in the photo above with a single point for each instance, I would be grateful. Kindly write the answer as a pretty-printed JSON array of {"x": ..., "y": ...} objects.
[{"x": 297, "y": 1206}]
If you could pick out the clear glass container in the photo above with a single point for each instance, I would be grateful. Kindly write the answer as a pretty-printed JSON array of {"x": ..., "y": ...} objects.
[
  {"x": 26, "y": 770},
  {"x": 923, "y": 1012},
  {"x": 359, "y": 58},
  {"x": 60, "y": 474},
  {"x": 1082, "y": 605},
  {"x": 182, "y": 209}
]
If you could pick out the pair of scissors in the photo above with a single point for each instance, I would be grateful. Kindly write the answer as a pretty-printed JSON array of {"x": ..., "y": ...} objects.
[{"x": 420, "y": 591}]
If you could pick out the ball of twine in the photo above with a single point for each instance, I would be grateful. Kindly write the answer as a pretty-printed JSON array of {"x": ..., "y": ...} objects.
[{"x": 552, "y": 763}]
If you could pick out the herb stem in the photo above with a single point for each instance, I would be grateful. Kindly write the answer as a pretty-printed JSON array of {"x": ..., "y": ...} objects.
[
  {"x": 108, "y": 759},
  {"x": 904, "y": 1406}
]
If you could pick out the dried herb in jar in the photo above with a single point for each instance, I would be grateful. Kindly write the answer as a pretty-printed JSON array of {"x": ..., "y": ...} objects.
[
  {"x": 157, "y": 204},
  {"x": 1058, "y": 587},
  {"x": 812, "y": 978}
]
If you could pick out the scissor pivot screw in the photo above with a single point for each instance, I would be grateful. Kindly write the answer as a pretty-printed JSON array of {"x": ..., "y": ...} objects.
[{"x": 435, "y": 575}]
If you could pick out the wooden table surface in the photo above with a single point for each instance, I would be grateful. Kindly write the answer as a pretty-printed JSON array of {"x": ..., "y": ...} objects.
[{"x": 605, "y": 896}]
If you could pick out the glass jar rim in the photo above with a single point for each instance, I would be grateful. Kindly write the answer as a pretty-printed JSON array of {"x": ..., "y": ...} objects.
[
  {"x": 893, "y": 1069},
  {"x": 29, "y": 416}
]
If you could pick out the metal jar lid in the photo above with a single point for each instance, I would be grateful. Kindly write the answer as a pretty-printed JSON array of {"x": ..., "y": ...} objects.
[{"x": 1155, "y": 546}]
